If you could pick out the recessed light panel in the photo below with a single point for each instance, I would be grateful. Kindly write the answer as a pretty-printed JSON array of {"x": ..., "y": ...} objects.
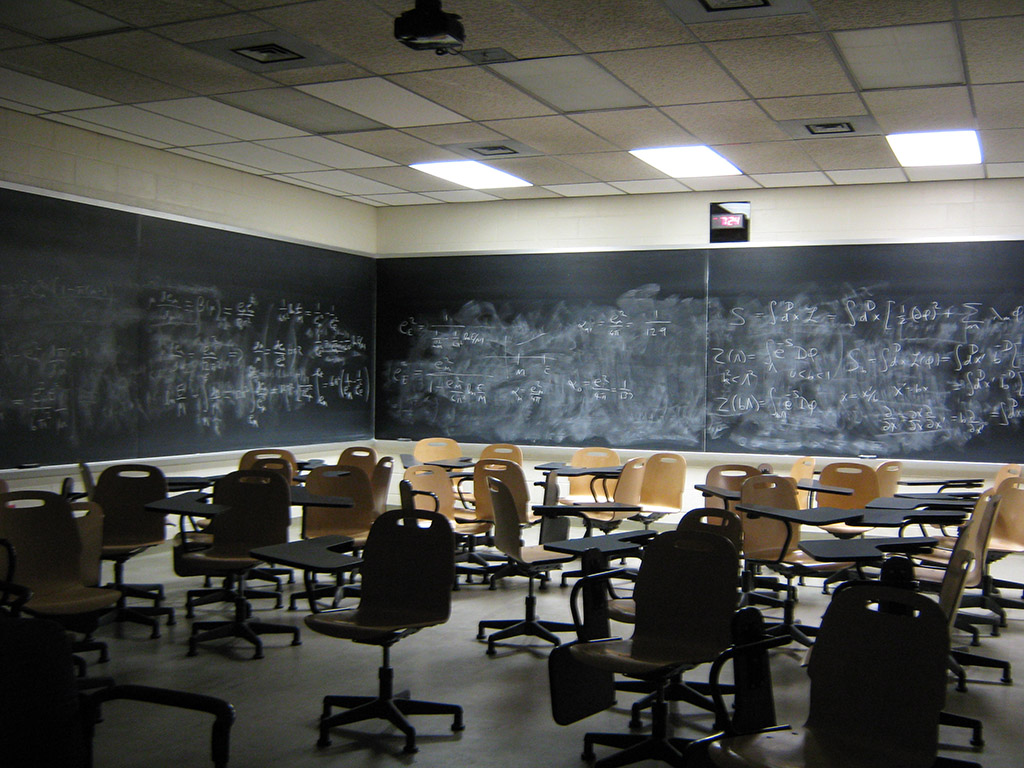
[
  {"x": 470, "y": 173},
  {"x": 936, "y": 148},
  {"x": 687, "y": 162}
]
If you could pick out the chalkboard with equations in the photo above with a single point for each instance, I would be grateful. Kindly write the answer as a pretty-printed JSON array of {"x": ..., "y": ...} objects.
[
  {"x": 894, "y": 350},
  {"x": 124, "y": 336}
]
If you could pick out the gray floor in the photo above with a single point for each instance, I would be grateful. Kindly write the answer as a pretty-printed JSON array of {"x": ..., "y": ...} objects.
[{"x": 507, "y": 713}]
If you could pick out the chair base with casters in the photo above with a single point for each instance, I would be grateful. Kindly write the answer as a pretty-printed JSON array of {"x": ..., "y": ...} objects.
[
  {"x": 227, "y": 593},
  {"x": 241, "y": 626},
  {"x": 146, "y": 615},
  {"x": 529, "y": 626},
  {"x": 386, "y": 705}
]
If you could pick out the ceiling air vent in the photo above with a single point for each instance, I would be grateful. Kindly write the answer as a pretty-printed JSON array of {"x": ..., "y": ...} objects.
[
  {"x": 732, "y": 5},
  {"x": 494, "y": 150},
  {"x": 820, "y": 129},
  {"x": 498, "y": 147},
  {"x": 489, "y": 56},
  {"x": 832, "y": 127},
  {"x": 704, "y": 11},
  {"x": 268, "y": 53}
]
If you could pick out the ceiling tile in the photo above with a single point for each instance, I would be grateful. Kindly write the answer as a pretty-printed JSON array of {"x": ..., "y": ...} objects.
[
  {"x": 720, "y": 183},
  {"x": 945, "y": 172},
  {"x": 868, "y": 176},
  {"x": 978, "y": 9},
  {"x": 326, "y": 152},
  {"x": 303, "y": 183},
  {"x": 231, "y": 25},
  {"x": 811, "y": 107},
  {"x": 993, "y": 49},
  {"x": 681, "y": 74},
  {"x": 55, "y": 19},
  {"x": 409, "y": 179},
  {"x": 768, "y": 157},
  {"x": 634, "y": 128},
  {"x": 1000, "y": 106},
  {"x": 73, "y": 70},
  {"x": 569, "y": 83},
  {"x": 1003, "y": 146},
  {"x": 318, "y": 74},
  {"x": 382, "y": 101},
  {"x": 45, "y": 95},
  {"x": 921, "y": 109},
  {"x": 524, "y": 193},
  {"x": 551, "y": 135},
  {"x": 853, "y": 14},
  {"x": 107, "y": 131},
  {"x": 157, "y": 127},
  {"x": 1005, "y": 170},
  {"x": 795, "y": 65},
  {"x": 343, "y": 181},
  {"x": 613, "y": 166},
  {"x": 453, "y": 133},
  {"x": 608, "y": 25},
  {"x": 259, "y": 156},
  {"x": 542, "y": 171},
  {"x": 650, "y": 186},
  {"x": 293, "y": 107},
  {"x": 11, "y": 39},
  {"x": 900, "y": 57},
  {"x": 149, "y": 14},
  {"x": 19, "y": 107},
  {"x": 216, "y": 160},
  {"x": 728, "y": 123},
  {"x": 154, "y": 57},
  {"x": 463, "y": 196},
  {"x": 805, "y": 179},
  {"x": 207, "y": 113},
  {"x": 507, "y": 25},
  {"x": 396, "y": 146},
  {"x": 402, "y": 198},
  {"x": 473, "y": 92},
  {"x": 594, "y": 189},
  {"x": 850, "y": 152},
  {"x": 766, "y": 26}
]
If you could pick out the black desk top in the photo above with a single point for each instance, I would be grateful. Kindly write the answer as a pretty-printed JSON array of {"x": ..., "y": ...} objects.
[
  {"x": 864, "y": 549},
  {"x": 463, "y": 462},
  {"x": 323, "y": 554},
  {"x": 565, "y": 470},
  {"x": 913, "y": 502},
  {"x": 617, "y": 543},
  {"x": 300, "y": 497},
  {"x": 177, "y": 483},
  {"x": 811, "y": 516},
  {"x": 897, "y": 518},
  {"x": 190, "y": 504}
]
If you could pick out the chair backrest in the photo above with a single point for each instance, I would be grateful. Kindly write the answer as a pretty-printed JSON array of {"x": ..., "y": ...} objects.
[
  {"x": 591, "y": 456},
  {"x": 728, "y": 476},
  {"x": 249, "y": 458},
  {"x": 88, "y": 481},
  {"x": 258, "y": 514},
  {"x": 848, "y": 474},
  {"x": 277, "y": 464},
  {"x": 514, "y": 478},
  {"x": 507, "y": 528},
  {"x": 41, "y": 722},
  {"x": 687, "y": 590},
  {"x": 502, "y": 451},
  {"x": 435, "y": 481},
  {"x": 89, "y": 517},
  {"x": 975, "y": 533},
  {"x": 408, "y": 569},
  {"x": 362, "y": 456},
  {"x": 436, "y": 448},
  {"x": 42, "y": 530},
  {"x": 719, "y": 521},
  {"x": 879, "y": 676},
  {"x": 763, "y": 537},
  {"x": 1005, "y": 471},
  {"x": 954, "y": 581},
  {"x": 664, "y": 480},
  {"x": 802, "y": 469},
  {"x": 889, "y": 477},
  {"x": 380, "y": 482},
  {"x": 630, "y": 482},
  {"x": 339, "y": 481},
  {"x": 1009, "y": 521},
  {"x": 123, "y": 491}
]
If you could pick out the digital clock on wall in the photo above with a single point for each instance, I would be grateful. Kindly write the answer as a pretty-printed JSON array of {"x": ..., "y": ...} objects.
[{"x": 730, "y": 222}]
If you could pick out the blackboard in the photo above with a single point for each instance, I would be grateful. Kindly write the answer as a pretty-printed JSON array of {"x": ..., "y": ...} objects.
[
  {"x": 896, "y": 350},
  {"x": 124, "y": 335}
]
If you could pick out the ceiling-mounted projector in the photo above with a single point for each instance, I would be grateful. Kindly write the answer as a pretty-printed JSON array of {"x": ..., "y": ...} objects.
[{"x": 428, "y": 28}]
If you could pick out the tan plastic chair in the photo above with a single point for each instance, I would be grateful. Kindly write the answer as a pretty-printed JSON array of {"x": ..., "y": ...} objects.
[
  {"x": 528, "y": 561},
  {"x": 730, "y": 477},
  {"x": 1006, "y": 538},
  {"x": 249, "y": 458},
  {"x": 802, "y": 469},
  {"x": 407, "y": 576},
  {"x": 361, "y": 456},
  {"x": 354, "y": 521},
  {"x": 464, "y": 486},
  {"x": 871, "y": 702},
  {"x": 627, "y": 491},
  {"x": 257, "y": 516},
  {"x": 122, "y": 491},
  {"x": 662, "y": 490},
  {"x": 380, "y": 482},
  {"x": 436, "y": 449},
  {"x": 889, "y": 477},
  {"x": 847, "y": 474},
  {"x": 686, "y": 594},
  {"x": 514, "y": 477},
  {"x": 581, "y": 489}
]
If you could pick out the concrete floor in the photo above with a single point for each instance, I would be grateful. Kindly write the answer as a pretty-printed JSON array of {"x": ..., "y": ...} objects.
[{"x": 505, "y": 698}]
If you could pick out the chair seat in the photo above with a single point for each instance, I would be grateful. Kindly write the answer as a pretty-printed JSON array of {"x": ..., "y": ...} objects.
[
  {"x": 126, "y": 548},
  {"x": 998, "y": 546},
  {"x": 622, "y": 609},
  {"x": 207, "y": 563},
  {"x": 616, "y": 656},
  {"x": 349, "y": 626},
  {"x": 540, "y": 555},
  {"x": 471, "y": 529},
  {"x": 845, "y": 530},
  {"x": 801, "y": 748},
  {"x": 72, "y": 599},
  {"x": 803, "y": 561}
]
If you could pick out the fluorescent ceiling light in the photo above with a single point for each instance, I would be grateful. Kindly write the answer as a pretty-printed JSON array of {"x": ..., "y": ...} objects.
[
  {"x": 470, "y": 173},
  {"x": 936, "y": 148},
  {"x": 687, "y": 162}
]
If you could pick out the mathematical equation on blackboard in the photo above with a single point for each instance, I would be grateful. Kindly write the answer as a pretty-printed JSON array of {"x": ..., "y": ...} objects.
[
  {"x": 867, "y": 372},
  {"x": 557, "y": 373}
]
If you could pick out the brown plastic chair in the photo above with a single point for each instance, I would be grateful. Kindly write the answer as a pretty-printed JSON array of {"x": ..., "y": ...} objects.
[
  {"x": 802, "y": 469},
  {"x": 878, "y": 683},
  {"x": 1006, "y": 538},
  {"x": 514, "y": 477},
  {"x": 582, "y": 489},
  {"x": 249, "y": 459},
  {"x": 407, "y": 575},
  {"x": 257, "y": 516},
  {"x": 464, "y": 486},
  {"x": 889, "y": 477},
  {"x": 729, "y": 477},
  {"x": 122, "y": 491},
  {"x": 662, "y": 490},
  {"x": 354, "y": 521},
  {"x": 628, "y": 488},
  {"x": 41, "y": 528},
  {"x": 862, "y": 479},
  {"x": 528, "y": 561},
  {"x": 436, "y": 449},
  {"x": 47, "y": 722},
  {"x": 380, "y": 482},
  {"x": 361, "y": 456},
  {"x": 686, "y": 593}
]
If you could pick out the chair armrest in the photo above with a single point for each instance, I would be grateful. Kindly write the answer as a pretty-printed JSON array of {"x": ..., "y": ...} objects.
[
  {"x": 223, "y": 712},
  {"x": 577, "y": 588}
]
